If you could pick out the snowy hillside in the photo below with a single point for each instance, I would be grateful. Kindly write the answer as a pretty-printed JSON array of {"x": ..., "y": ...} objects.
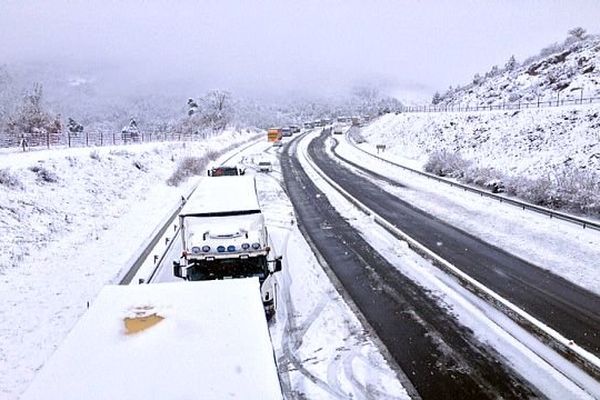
[
  {"x": 64, "y": 215},
  {"x": 564, "y": 71},
  {"x": 549, "y": 156},
  {"x": 530, "y": 142}
]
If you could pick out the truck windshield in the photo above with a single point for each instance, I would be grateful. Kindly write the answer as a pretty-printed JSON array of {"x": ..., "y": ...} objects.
[{"x": 229, "y": 268}]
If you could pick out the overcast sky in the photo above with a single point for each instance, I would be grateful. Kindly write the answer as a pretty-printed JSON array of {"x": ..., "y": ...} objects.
[{"x": 306, "y": 47}]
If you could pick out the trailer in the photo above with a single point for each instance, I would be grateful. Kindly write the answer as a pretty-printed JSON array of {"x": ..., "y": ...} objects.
[
  {"x": 224, "y": 236},
  {"x": 165, "y": 341}
]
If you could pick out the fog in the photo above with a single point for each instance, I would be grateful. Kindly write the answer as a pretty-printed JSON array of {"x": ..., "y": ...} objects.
[{"x": 282, "y": 48}]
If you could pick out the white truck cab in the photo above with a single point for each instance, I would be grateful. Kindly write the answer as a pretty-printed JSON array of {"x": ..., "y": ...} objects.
[{"x": 224, "y": 236}]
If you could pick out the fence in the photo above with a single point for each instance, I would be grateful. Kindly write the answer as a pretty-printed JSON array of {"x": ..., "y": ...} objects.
[
  {"x": 49, "y": 140},
  {"x": 539, "y": 103}
]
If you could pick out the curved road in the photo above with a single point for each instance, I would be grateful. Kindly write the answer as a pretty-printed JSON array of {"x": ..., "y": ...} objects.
[
  {"x": 441, "y": 358},
  {"x": 560, "y": 304}
]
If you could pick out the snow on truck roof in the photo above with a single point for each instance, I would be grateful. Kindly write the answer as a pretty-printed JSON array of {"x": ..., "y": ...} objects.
[
  {"x": 223, "y": 194},
  {"x": 181, "y": 341}
]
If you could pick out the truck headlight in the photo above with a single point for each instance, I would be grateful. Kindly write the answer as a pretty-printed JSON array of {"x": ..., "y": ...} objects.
[
  {"x": 230, "y": 248},
  {"x": 195, "y": 250},
  {"x": 206, "y": 249},
  {"x": 256, "y": 246},
  {"x": 221, "y": 249},
  {"x": 245, "y": 246}
]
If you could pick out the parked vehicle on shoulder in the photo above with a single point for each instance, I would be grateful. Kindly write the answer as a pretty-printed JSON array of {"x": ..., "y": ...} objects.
[
  {"x": 225, "y": 170},
  {"x": 265, "y": 166}
]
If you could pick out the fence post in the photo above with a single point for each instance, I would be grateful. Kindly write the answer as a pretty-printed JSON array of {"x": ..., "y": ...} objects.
[
  {"x": 69, "y": 137},
  {"x": 101, "y": 138},
  {"x": 87, "y": 140},
  {"x": 113, "y": 136},
  {"x": 48, "y": 139}
]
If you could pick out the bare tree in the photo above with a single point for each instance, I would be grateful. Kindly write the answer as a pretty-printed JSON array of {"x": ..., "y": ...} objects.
[
  {"x": 31, "y": 118},
  {"x": 578, "y": 33},
  {"x": 217, "y": 112}
]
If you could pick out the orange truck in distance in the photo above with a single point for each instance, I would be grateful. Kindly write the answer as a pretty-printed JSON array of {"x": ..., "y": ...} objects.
[{"x": 274, "y": 135}]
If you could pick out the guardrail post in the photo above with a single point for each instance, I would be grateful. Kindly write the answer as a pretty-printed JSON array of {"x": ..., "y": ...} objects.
[{"x": 101, "y": 138}]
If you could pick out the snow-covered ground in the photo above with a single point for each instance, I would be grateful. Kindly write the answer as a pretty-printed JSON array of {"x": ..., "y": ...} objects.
[
  {"x": 112, "y": 207},
  {"x": 63, "y": 240},
  {"x": 532, "y": 142}
]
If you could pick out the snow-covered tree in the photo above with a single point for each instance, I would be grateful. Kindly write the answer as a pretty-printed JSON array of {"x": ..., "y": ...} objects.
[
  {"x": 131, "y": 131},
  {"x": 31, "y": 118},
  {"x": 578, "y": 33},
  {"x": 477, "y": 79},
  {"x": 437, "y": 98},
  {"x": 192, "y": 107},
  {"x": 511, "y": 64},
  {"x": 74, "y": 127},
  {"x": 218, "y": 110}
]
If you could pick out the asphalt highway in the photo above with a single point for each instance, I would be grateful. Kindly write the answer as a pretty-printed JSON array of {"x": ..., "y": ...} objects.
[
  {"x": 441, "y": 358},
  {"x": 560, "y": 304}
]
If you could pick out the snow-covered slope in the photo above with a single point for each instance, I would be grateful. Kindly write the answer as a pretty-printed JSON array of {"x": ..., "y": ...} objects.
[
  {"x": 571, "y": 69},
  {"x": 528, "y": 142},
  {"x": 70, "y": 220}
]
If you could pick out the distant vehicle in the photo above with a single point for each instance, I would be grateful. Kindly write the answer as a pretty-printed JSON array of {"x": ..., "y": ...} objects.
[
  {"x": 286, "y": 132},
  {"x": 338, "y": 129},
  {"x": 355, "y": 121},
  {"x": 309, "y": 125},
  {"x": 319, "y": 123},
  {"x": 224, "y": 236},
  {"x": 295, "y": 128},
  {"x": 265, "y": 166},
  {"x": 274, "y": 136},
  {"x": 326, "y": 121},
  {"x": 226, "y": 171}
]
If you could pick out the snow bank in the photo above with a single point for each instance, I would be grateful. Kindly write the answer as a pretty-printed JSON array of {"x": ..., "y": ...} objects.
[
  {"x": 63, "y": 240},
  {"x": 533, "y": 143}
]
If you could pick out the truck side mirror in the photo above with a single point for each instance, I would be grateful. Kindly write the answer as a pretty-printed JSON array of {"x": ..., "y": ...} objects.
[
  {"x": 177, "y": 269},
  {"x": 243, "y": 171},
  {"x": 208, "y": 172},
  {"x": 277, "y": 265}
]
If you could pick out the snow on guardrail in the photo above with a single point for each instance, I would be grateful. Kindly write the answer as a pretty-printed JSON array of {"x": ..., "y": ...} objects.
[{"x": 585, "y": 223}]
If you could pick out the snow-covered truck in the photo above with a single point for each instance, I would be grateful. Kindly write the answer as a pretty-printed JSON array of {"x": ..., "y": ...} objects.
[
  {"x": 224, "y": 236},
  {"x": 165, "y": 341}
]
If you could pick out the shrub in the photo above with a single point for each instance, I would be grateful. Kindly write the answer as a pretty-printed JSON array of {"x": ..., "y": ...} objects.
[
  {"x": 568, "y": 188},
  {"x": 140, "y": 165},
  {"x": 44, "y": 174},
  {"x": 10, "y": 180},
  {"x": 94, "y": 155},
  {"x": 189, "y": 166},
  {"x": 445, "y": 163}
]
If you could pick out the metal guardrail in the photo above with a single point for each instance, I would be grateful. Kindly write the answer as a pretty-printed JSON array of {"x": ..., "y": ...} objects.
[{"x": 585, "y": 223}]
